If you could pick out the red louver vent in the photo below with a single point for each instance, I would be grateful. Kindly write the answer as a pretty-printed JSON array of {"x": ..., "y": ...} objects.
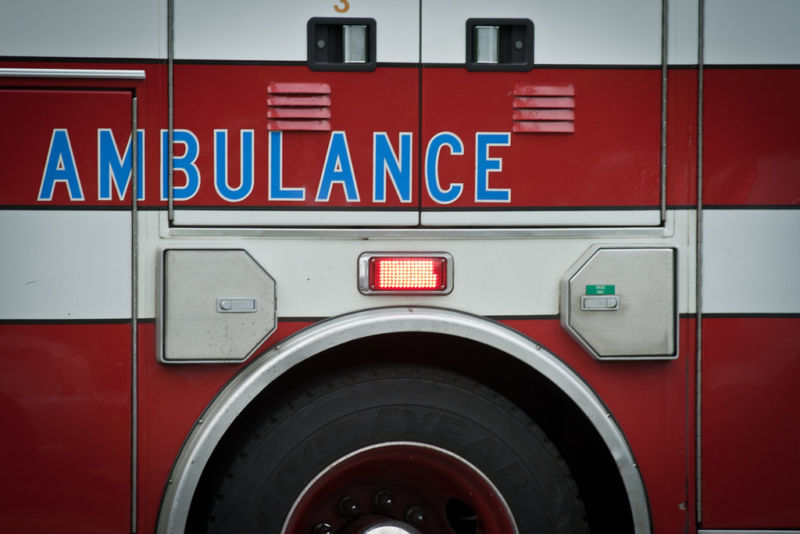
[
  {"x": 543, "y": 109},
  {"x": 299, "y": 107}
]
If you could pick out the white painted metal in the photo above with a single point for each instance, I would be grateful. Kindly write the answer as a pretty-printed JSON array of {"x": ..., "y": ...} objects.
[
  {"x": 750, "y": 261},
  {"x": 682, "y": 34},
  {"x": 68, "y": 265},
  {"x": 585, "y": 32},
  {"x": 289, "y": 218},
  {"x": 745, "y": 32},
  {"x": 246, "y": 385},
  {"x": 632, "y": 217},
  {"x": 84, "y": 28},
  {"x": 495, "y": 272},
  {"x": 275, "y": 30}
]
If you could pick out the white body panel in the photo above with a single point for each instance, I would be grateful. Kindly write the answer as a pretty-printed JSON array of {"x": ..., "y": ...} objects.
[
  {"x": 84, "y": 28},
  {"x": 65, "y": 265},
  {"x": 751, "y": 260},
  {"x": 743, "y": 32},
  {"x": 542, "y": 218},
  {"x": 496, "y": 276},
  {"x": 580, "y": 32},
  {"x": 276, "y": 30}
]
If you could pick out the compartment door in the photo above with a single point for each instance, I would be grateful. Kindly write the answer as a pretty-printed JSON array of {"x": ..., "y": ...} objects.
[
  {"x": 65, "y": 309},
  {"x": 296, "y": 114},
  {"x": 557, "y": 128}
]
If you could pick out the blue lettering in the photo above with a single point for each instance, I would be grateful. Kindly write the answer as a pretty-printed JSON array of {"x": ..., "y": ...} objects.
[
  {"x": 484, "y": 165},
  {"x": 276, "y": 191},
  {"x": 112, "y": 167},
  {"x": 60, "y": 167},
  {"x": 184, "y": 163},
  {"x": 439, "y": 195},
  {"x": 221, "y": 166},
  {"x": 338, "y": 168},
  {"x": 385, "y": 161}
]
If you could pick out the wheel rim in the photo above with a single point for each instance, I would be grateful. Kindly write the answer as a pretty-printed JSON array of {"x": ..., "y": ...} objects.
[{"x": 400, "y": 488}]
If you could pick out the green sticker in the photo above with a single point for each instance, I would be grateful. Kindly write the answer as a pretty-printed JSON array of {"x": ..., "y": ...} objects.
[{"x": 601, "y": 289}]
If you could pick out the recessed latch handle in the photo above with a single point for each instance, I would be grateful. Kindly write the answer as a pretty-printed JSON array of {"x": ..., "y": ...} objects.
[
  {"x": 237, "y": 305},
  {"x": 599, "y": 302}
]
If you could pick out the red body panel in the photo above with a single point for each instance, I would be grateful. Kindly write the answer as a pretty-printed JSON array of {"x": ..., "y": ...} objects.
[
  {"x": 751, "y": 405},
  {"x": 172, "y": 398},
  {"x": 612, "y": 158},
  {"x": 751, "y": 137},
  {"x": 360, "y": 103},
  {"x": 65, "y": 410},
  {"x": 81, "y": 106},
  {"x": 30, "y": 120},
  {"x": 649, "y": 401}
]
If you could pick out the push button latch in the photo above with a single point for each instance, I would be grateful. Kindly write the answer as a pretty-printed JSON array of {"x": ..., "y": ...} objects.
[{"x": 599, "y": 303}]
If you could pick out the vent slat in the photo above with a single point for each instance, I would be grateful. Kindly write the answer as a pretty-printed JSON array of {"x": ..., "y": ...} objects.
[
  {"x": 543, "y": 115},
  {"x": 543, "y": 102},
  {"x": 299, "y": 101},
  {"x": 543, "y": 109},
  {"x": 299, "y": 125},
  {"x": 544, "y": 90},
  {"x": 298, "y": 113},
  {"x": 295, "y": 88},
  {"x": 298, "y": 107},
  {"x": 543, "y": 127}
]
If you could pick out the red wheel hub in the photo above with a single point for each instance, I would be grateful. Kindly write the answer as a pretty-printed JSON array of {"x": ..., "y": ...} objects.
[{"x": 401, "y": 487}]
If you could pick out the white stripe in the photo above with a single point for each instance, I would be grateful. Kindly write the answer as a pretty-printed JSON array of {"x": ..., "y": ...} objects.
[
  {"x": 316, "y": 276},
  {"x": 585, "y": 32},
  {"x": 752, "y": 32},
  {"x": 84, "y": 28},
  {"x": 188, "y": 217},
  {"x": 65, "y": 264},
  {"x": 542, "y": 218},
  {"x": 276, "y": 30},
  {"x": 751, "y": 261}
]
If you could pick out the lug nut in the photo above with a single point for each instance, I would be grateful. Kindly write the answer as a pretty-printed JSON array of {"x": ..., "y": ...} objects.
[
  {"x": 322, "y": 528},
  {"x": 384, "y": 500},
  {"x": 415, "y": 516},
  {"x": 348, "y": 507}
]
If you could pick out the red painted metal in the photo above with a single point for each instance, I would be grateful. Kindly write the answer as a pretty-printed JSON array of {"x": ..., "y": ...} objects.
[
  {"x": 544, "y": 102},
  {"x": 88, "y": 104},
  {"x": 649, "y": 402},
  {"x": 171, "y": 399},
  {"x": 611, "y": 159},
  {"x": 65, "y": 410},
  {"x": 751, "y": 133},
  {"x": 543, "y": 126},
  {"x": 298, "y": 113},
  {"x": 751, "y": 405},
  {"x": 544, "y": 90},
  {"x": 30, "y": 117},
  {"x": 357, "y": 103},
  {"x": 299, "y": 100},
  {"x": 535, "y": 114}
]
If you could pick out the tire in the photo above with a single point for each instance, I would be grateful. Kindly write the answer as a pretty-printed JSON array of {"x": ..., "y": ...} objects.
[{"x": 405, "y": 446}]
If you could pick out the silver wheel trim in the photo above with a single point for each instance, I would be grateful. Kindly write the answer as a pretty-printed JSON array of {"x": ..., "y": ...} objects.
[
  {"x": 245, "y": 386},
  {"x": 428, "y": 446}
]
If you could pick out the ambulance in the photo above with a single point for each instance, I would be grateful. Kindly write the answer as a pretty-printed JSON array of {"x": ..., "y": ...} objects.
[{"x": 394, "y": 267}]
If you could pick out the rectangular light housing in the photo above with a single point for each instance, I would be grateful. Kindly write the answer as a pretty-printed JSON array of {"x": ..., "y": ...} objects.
[{"x": 405, "y": 273}]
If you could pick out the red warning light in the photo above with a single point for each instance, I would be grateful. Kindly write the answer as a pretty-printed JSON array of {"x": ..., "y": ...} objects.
[{"x": 405, "y": 274}]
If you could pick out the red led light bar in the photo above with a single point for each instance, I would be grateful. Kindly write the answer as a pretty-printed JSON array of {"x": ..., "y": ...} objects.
[{"x": 401, "y": 273}]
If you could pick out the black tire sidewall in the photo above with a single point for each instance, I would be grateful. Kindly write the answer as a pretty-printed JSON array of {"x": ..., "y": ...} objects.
[{"x": 399, "y": 405}]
